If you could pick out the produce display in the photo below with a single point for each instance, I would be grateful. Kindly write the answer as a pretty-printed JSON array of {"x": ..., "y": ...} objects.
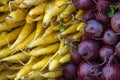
[
  {"x": 32, "y": 43},
  {"x": 97, "y": 54},
  {"x": 59, "y": 40}
]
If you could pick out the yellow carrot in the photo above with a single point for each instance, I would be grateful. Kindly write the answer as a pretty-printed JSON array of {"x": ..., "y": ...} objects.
[
  {"x": 63, "y": 50},
  {"x": 70, "y": 36},
  {"x": 54, "y": 63},
  {"x": 4, "y": 2},
  {"x": 4, "y": 8},
  {"x": 7, "y": 26},
  {"x": 27, "y": 29},
  {"x": 15, "y": 66},
  {"x": 35, "y": 75},
  {"x": 60, "y": 52},
  {"x": 17, "y": 58},
  {"x": 2, "y": 34},
  {"x": 50, "y": 49},
  {"x": 16, "y": 16},
  {"x": 51, "y": 79},
  {"x": 50, "y": 30},
  {"x": 11, "y": 77},
  {"x": 66, "y": 58},
  {"x": 77, "y": 36},
  {"x": 4, "y": 65},
  {"x": 24, "y": 44},
  {"x": 39, "y": 9},
  {"x": 39, "y": 29},
  {"x": 29, "y": 3},
  {"x": 67, "y": 19},
  {"x": 68, "y": 10},
  {"x": 52, "y": 38},
  {"x": 41, "y": 63},
  {"x": 52, "y": 10},
  {"x": 38, "y": 18},
  {"x": 14, "y": 3},
  {"x": 70, "y": 22},
  {"x": 17, "y": 1},
  {"x": 30, "y": 18},
  {"x": 53, "y": 74},
  {"x": 5, "y": 52},
  {"x": 81, "y": 26},
  {"x": 27, "y": 68},
  {"x": 3, "y": 16},
  {"x": 71, "y": 29},
  {"x": 79, "y": 15},
  {"x": 3, "y": 74},
  {"x": 9, "y": 38}
]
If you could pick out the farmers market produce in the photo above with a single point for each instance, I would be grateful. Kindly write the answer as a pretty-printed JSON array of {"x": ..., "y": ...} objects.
[
  {"x": 32, "y": 46},
  {"x": 59, "y": 39},
  {"x": 97, "y": 53}
]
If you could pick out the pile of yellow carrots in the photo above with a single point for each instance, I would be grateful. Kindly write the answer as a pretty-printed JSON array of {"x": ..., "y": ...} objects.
[{"x": 31, "y": 47}]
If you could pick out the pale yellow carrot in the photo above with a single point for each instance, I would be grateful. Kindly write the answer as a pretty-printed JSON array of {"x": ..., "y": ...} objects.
[
  {"x": 9, "y": 37},
  {"x": 4, "y": 65},
  {"x": 52, "y": 74},
  {"x": 38, "y": 18},
  {"x": 41, "y": 63},
  {"x": 29, "y": 3},
  {"x": 25, "y": 43},
  {"x": 52, "y": 10},
  {"x": 50, "y": 49},
  {"x": 17, "y": 58},
  {"x": 52, "y": 38},
  {"x": 26, "y": 30},
  {"x": 16, "y": 16},
  {"x": 71, "y": 29},
  {"x": 27, "y": 68},
  {"x": 66, "y": 13},
  {"x": 30, "y": 18},
  {"x": 81, "y": 26},
  {"x": 77, "y": 36},
  {"x": 39, "y": 29},
  {"x": 4, "y": 8},
  {"x": 54, "y": 63},
  {"x": 66, "y": 58},
  {"x": 33, "y": 75},
  {"x": 3, "y": 16},
  {"x": 39, "y": 9},
  {"x": 5, "y": 52},
  {"x": 6, "y": 26},
  {"x": 80, "y": 14},
  {"x": 62, "y": 50},
  {"x": 3, "y": 74}
]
